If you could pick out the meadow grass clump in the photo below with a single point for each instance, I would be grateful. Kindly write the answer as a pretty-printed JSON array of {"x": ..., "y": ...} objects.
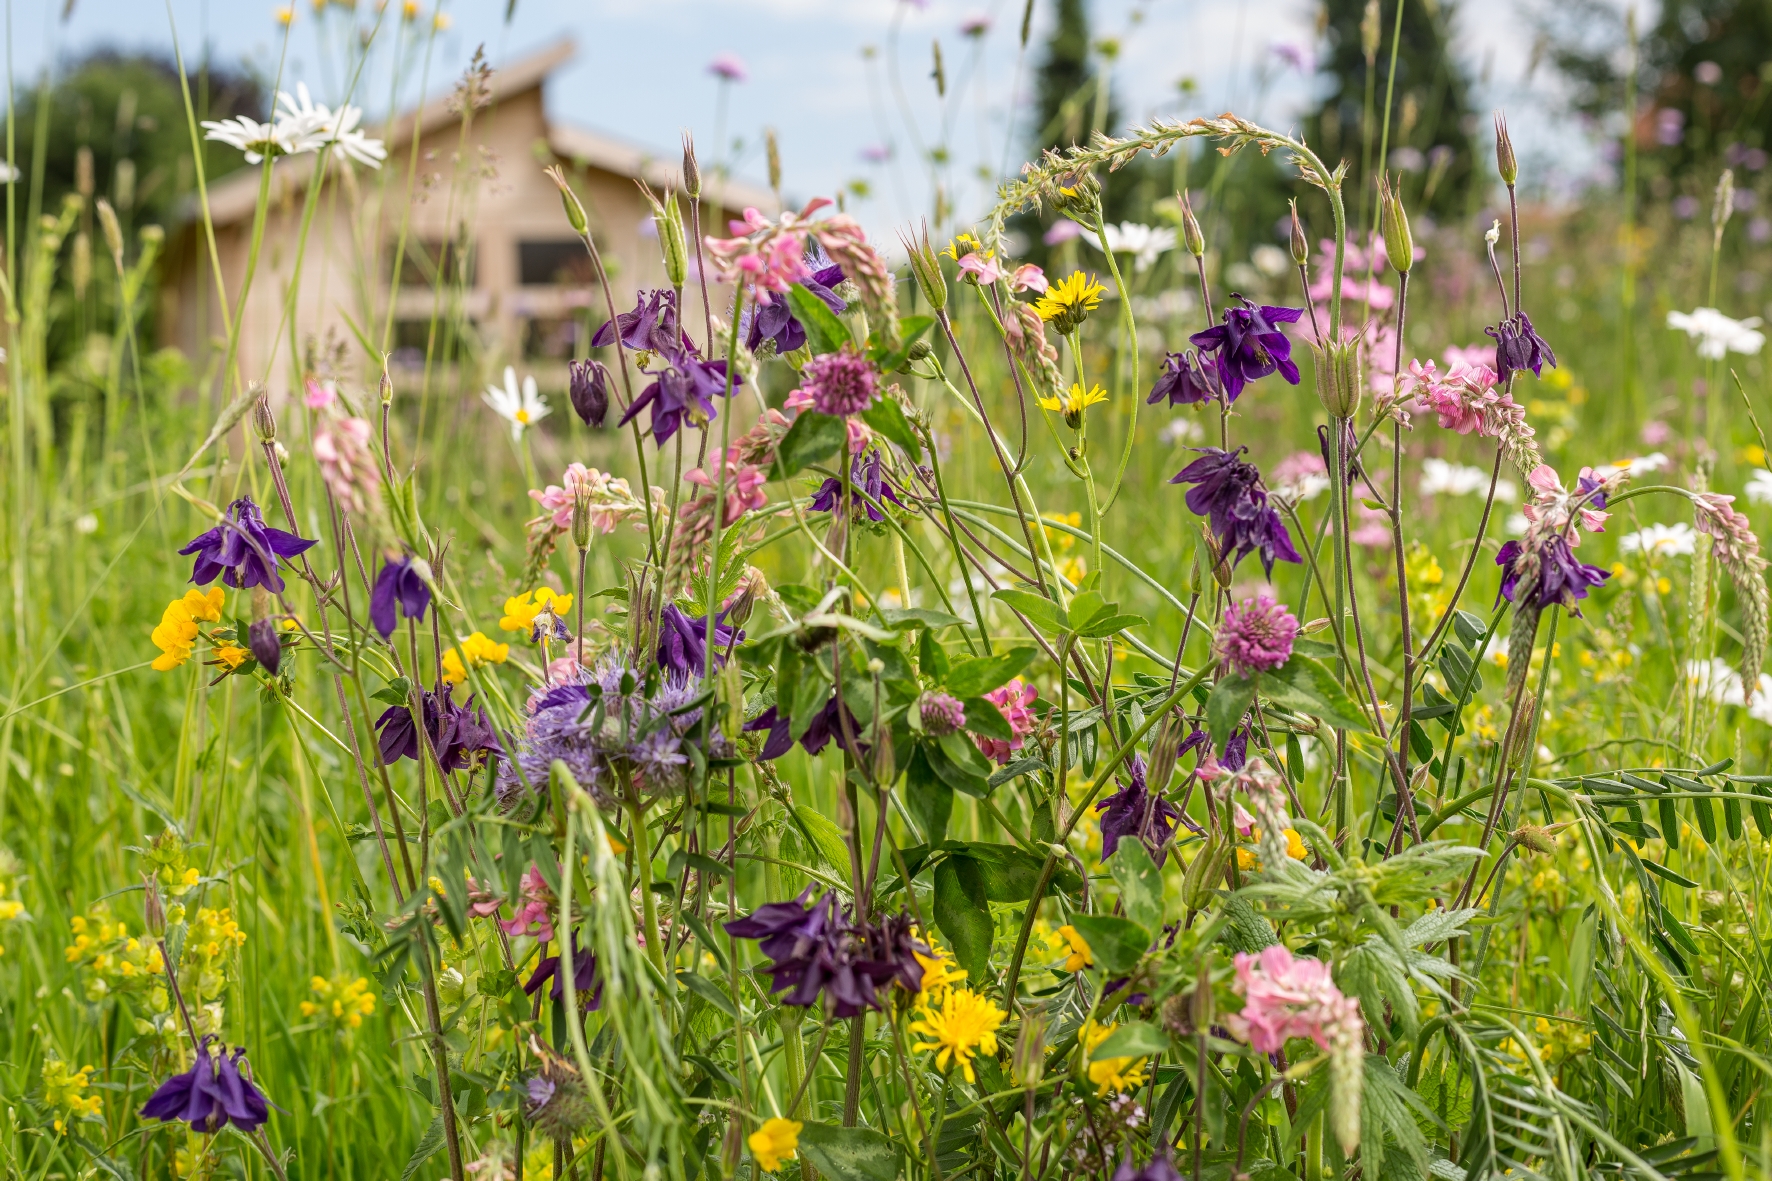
[{"x": 911, "y": 715}]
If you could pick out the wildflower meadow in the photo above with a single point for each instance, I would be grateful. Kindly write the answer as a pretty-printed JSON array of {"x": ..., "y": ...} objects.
[{"x": 1253, "y": 673}]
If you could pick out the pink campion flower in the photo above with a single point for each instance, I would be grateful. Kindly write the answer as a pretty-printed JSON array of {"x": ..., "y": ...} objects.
[
  {"x": 320, "y": 394},
  {"x": 1013, "y": 701},
  {"x": 1028, "y": 277},
  {"x": 534, "y": 915},
  {"x": 341, "y": 448},
  {"x": 745, "y": 482},
  {"x": 1288, "y": 997},
  {"x": 984, "y": 269}
]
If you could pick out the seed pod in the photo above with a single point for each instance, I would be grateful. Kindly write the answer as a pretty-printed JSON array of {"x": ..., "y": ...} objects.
[
  {"x": 1301, "y": 247},
  {"x": 927, "y": 269},
  {"x": 1027, "y": 1065},
  {"x": 1505, "y": 163},
  {"x": 1534, "y": 837},
  {"x": 581, "y": 518},
  {"x": 153, "y": 909},
  {"x": 691, "y": 169},
  {"x": 1190, "y": 227},
  {"x": 263, "y": 421},
  {"x": 575, "y": 212},
  {"x": 1339, "y": 384},
  {"x": 386, "y": 387},
  {"x": 1165, "y": 749},
  {"x": 668, "y": 217},
  {"x": 1399, "y": 243}
]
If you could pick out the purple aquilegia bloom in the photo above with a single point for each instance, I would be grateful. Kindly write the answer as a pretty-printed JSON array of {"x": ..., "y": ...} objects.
[
  {"x": 1249, "y": 346},
  {"x": 243, "y": 550},
  {"x": 1518, "y": 346},
  {"x": 1123, "y": 815},
  {"x": 1158, "y": 1168},
  {"x": 686, "y": 389},
  {"x": 1236, "y": 750},
  {"x": 818, "y": 949},
  {"x": 775, "y": 321},
  {"x": 587, "y": 384},
  {"x": 585, "y": 980},
  {"x": 265, "y": 644},
  {"x": 650, "y": 327},
  {"x": 682, "y": 640},
  {"x": 211, "y": 1095},
  {"x": 866, "y": 476},
  {"x": 1562, "y": 578},
  {"x": 1228, "y": 492},
  {"x": 840, "y": 383},
  {"x": 457, "y": 732},
  {"x": 1256, "y": 637},
  {"x": 398, "y": 582},
  {"x": 1184, "y": 381},
  {"x": 824, "y": 727},
  {"x": 1350, "y": 446},
  {"x": 891, "y": 950}
]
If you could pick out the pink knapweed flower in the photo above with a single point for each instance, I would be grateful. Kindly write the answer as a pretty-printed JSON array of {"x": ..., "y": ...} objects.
[{"x": 1013, "y": 701}]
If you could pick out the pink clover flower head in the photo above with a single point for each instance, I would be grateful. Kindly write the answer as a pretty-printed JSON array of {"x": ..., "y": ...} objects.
[
  {"x": 841, "y": 383},
  {"x": 535, "y": 910},
  {"x": 744, "y": 485},
  {"x": 942, "y": 713},
  {"x": 1028, "y": 277},
  {"x": 1286, "y": 997},
  {"x": 1256, "y": 636},
  {"x": 1061, "y": 231},
  {"x": 320, "y": 394},
  {"x": 341, "y": 448},
  {"x": 728, "y": 68},
  {"x": 983, "y": 269},
  {"x": 1014, "y": 701}
]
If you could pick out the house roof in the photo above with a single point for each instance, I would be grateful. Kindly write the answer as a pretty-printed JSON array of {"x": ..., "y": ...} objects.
[{"x": 234, "y": 199}]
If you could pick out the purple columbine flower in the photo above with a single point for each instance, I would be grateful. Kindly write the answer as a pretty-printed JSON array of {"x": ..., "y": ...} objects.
[
  {"x": 865, "y": 474},
  {"x": 1184, "y": 381},
  {"x": 1158, "y": 1168},
  {"x": 398, "y": 583},
  {"x": 243, "y": 550},
  {"x": 1122, "y": 815},
  {"x": 941, "y": 714},
  {"x": 1256, "y": 637},
  {"x": 1562, "y": 578},
  {"x": 585, "y": 980},
  {"x": 824, "y": 727},
  {"x": 1518, "y": 346},
  {"x": 891, "y": 949},
  {"x": 1350, "y": 445},
  {"x": 775, "y": 321},
  {"x": 210, "y": 1095},
  {"x": 265, "y": 644},
  {"x": 588, "y": 386},
  {"x": 818, "y": 949},
  {"x": 686, "y": 389},
  {"x": 1228, "y": 492},
  {"x": 457, "y": 732},
  {"x": 682, "y": 640},
  {"x": 1249, "y": 346},
  {"x": 650, "y": 327},
  {"x": 840, "y": 383},
  {"x": 1236, "y": 750}
]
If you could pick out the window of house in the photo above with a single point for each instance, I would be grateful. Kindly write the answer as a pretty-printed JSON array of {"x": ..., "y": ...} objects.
[
  {"x": 414, "y": 339},
  {"x": 425, "y": 258},
  {"x": 550, "y": 339},
  {"x": 544, "y": 262}
]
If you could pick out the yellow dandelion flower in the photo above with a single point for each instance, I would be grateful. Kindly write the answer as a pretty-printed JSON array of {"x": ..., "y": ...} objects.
[
  {"x": 777, "y": 1140},
  {"x": 1073, "y": 402},
  {"x": 1110, "y": 1075},
  {"x": 965, "y": 1025},
  {"x": 1068, "y": 302},
  {"x": 1080, "y": 956},
  {"x": 940, "y": 973}
]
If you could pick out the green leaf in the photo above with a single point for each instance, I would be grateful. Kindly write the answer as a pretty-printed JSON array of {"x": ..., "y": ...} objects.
[
  {"x": 813, "y": 437},
  {"x": 959, "y": 764},
  {"x": 708, "y": 991},
  {"x": 907, "y": 618},
  {"x": 932, "y": 658},
  {"x": 963, "y": 915},
  {"x": 1110, "y": 624},
  {"x": 824, "y": 833},
  {"x": 888, "y": 418},
  {"x": 395, "y": 692},
  {"x": 715, "y": 1070},
  {"x": 1662, "y": 871},
  {"x": 1133, "y": 1039},
  {"x": 428, "y": 1144},
  {"x": 849, "y": 1154},
  {"x": 700, "y": 862},
  {"x": 1116, "y": 944},
  {"x": 1038, "y": 608},
  {"x": 975, "y": 676},
  {"x": 824, "y": 332},
  {"x": 909, "y": 329},
  {"x": 700, "y": 927},
  {"x": 929, "y": 797},
  {"x": 1086, "y": 606},
  {"x": 1141, "y": 884},
  {"x": 1306, "y": 686},
  {"x": 983, "y": 717},
  {"x": 1230, "y": 700},
  {"x": 1010, "y": 872}
]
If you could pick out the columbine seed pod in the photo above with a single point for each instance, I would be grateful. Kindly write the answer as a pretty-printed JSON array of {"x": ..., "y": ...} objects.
[
  {"x": 927, "y": 269},
  {"x": 263, "y": 421},
  {"x": 1338, "y": 377},
  {"x": 581, "y": 518},
  {"x": 1301, "y": 247},
  {"x": 1165, "y": 749},
  {"x": 1027, "y": 1066},
  {"x": 1190, "y": 228},
  {"x": 575, "y": 212},
  {"x": 1399, "y": 243},
  {"x": 691, "y": 169},
  {"x": 1505, "y": 163},
  {"x": 668, "y": 217}
]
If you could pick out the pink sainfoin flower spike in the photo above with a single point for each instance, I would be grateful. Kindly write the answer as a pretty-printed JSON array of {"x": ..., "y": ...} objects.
[
  {"x": 1256, "y": 636},
  {"x": 1469, "y": 399},
  {"x": 341, "y": 448},
  {"x": 769, "y": 255},
  {"x": 320, "y": 394},
  {"x": 744, "y": 485},
  {"x": 535, "y": 911},
  {"x": 1288, "y": 997},
  {"x": 1013, "y": 701},
  {"x": 611, "y": 500},
  {"x": 983, "y": 269}
]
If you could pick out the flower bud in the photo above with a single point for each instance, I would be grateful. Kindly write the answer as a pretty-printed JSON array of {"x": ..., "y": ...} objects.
[
  {"x": 1338, "y": 377},
  {"x": 1505, "y": 163},
  {"x": 581, "y": 518},
  {"x": 263, "y": 421},
  {"x": 1196, "y": 578},
  {"x": 261, "y": 635},
  {"x": 1027, "y": 1066},
  {"x": 927, "y": 269},
  {"x": 751, "y": 587},
  {"x": 107, "y": 220},
  {"x": 1078, "y": 197},
  {"x": 1399, "y": 243},
  {"x": 1301, "y": 247},
  {"x": 691, "y": 169},
  {"x": 153, "y": 908},
  {"x": 1165, "y": 749},
  {"x": 588, "y": 386},
  {"x": 575, "y": 212},
  {"x": 918, "y": 350},
  {"x": 386, "y": 387}
]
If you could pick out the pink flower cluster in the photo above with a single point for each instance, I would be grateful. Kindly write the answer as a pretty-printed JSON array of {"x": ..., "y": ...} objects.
[
  {"x": 986, "y": 270},
  {"x": 1467, "y": 400},
  {"x": 1256, "y": 635},
  {"x": 535, "y": 913},
  {"x": 1353, "y": 275},
  {"x": 341, "y": 448},
  {"x": 1288, "y": 997},
  {"x": 611, "y": 500},
  {"x": 770, "y": 255},
  {"x": 744, "y": 484},
  {"x": 1015, "y": 701}
]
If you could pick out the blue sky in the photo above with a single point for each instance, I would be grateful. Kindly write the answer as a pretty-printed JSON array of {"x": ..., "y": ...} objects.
[{"x": 835, "y": 78}]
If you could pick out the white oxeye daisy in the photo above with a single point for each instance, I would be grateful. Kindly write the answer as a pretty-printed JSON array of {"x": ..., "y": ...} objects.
[{"x": 521, "y": 410}]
